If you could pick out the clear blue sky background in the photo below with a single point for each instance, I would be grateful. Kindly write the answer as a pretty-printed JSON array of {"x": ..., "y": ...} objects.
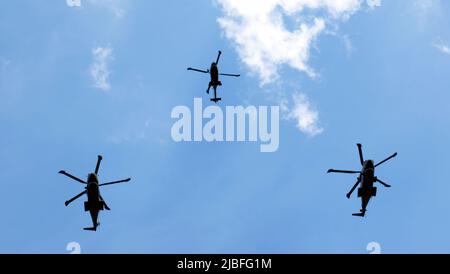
[{"x": 390, "y": 93}]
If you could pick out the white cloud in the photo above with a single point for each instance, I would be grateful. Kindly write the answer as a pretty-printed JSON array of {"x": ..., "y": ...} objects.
[
  {"x": 442, "y": 47},
  {"x": 271, "y": 34},
  {"x": 73, "y": 3},
  {"x": 373, "y": 3},
  {"x": 114, "y": 5},
  {"x": 306, "y": 117},
  {"x": 263, "y": 40},
  {"x": 99, "y": 70},
  {"x": 348, "y": 44}
]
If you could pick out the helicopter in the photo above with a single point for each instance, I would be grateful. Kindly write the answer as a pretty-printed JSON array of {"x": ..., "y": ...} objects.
[
  {"x": 95, "y": 202},
  {"x": 366, "y": 180},
  {"x": 214, "y": 73}
]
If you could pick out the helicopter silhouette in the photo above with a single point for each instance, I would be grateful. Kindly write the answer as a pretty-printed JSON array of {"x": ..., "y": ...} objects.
[
  {"x": 366, "y": 179},
  {"x": 95, "y": 202},
  {"x": 215, "y": 81}
]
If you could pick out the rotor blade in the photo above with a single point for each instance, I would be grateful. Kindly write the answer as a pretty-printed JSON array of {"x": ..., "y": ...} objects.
[
  {"x": 104, "y": 203},
  {"x": 382, "y": 162},
  {"x": 99, "y": 160},
  {"x": 76, "y": 197},
  {"x": 353, "y": 188},
  {"x": 383, "y": 183},
  {"x": 361, "y": 158},
  {"x": 198, "y": 70},
  {"x": 343, "y": 171},
  {"x": 72, "y": 177},
  {"x": 218, "y": 57},
  {"x": 232, "y": 75},
  {"x": 116, "y": 182}
]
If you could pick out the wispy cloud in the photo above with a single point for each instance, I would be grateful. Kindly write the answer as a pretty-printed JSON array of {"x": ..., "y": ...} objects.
[
  {"x": 424, "y": 11},
  {"x": 73, "y": 3},
  {"x": 100, "y": 70},
  {"x": 348, "y": 44},
  {"x": 373, "y": 3},
  {"x": 426, "y": 6},
  {"x": 442, "y": 47},
  {"x": 116, "y": 6},
  {"x": 306, "y": 117},
  {"x": 136, "y": 131}
]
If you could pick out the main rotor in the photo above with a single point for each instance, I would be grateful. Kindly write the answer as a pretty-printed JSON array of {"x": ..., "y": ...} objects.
[
  {"x": 214, "y": 64},
  {"x": 363, "y": 162}
]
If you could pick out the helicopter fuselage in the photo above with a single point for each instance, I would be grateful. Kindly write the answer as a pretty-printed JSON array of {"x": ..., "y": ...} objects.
[
  {"x": 93, "y": 190},
  {"x": 367, "y": 190},
  {"x": 94, "y": 203},
  {"x": 214, "y": 73}
]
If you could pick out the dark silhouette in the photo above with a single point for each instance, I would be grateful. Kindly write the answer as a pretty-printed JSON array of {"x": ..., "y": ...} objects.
[
  {"x": 95, "y": 201},
  {"x": 366, "y": 178},
  {"x": 214, "y": 73}
]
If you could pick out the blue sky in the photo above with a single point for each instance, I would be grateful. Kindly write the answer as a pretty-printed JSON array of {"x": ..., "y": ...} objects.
[{"x": 103, "y": 77}]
